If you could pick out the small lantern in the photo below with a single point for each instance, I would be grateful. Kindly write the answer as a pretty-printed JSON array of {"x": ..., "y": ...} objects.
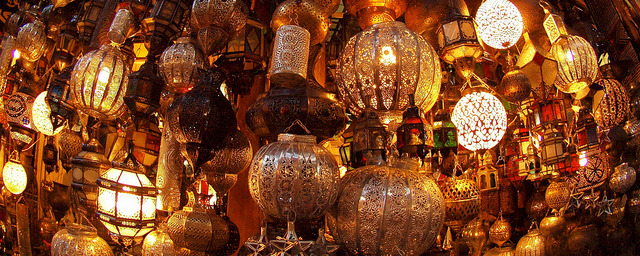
[
  {"x": 547, "y": 113},
  {"x": 554, "y": 26},
  {"x": 586, "y": 131},
  {"x": 146, "y": 142},
  {"x": 126, "y": 201},
  {"x": 345, "y": 149},
  {"x": 122, "y": 26},
  {"x": 523, "y": 138},
  {"x": 58, "y": 98},
  {"x": 14, "y": 177},
  {"x": 369, "y": 140},
  {"x": 144, "y": 91},
  {"x": 415, "y": 136},
  {"x": 163, "y": 24},
  {"x": 459, "y": 43},
  {"x": 31, "y": 41},
  {"x": 487, "y": 178},
  {"x": 87, "y": 166},
  {"x": 18, "y": 109},
  {"x": 90, "y": 15},
  {"x": 553, "y": 149},
  {"x": 67, "y": 46},
  {"x": 445, "y": 135},
  {"x": 181, "y": 65},
  {"x": 290, "y": 55},
  {"x": 50, "y": 156},
  {"x": 40, "y": 113}
]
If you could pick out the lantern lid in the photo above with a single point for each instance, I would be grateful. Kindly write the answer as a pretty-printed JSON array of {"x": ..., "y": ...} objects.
[{"x": 297, "y": 138}]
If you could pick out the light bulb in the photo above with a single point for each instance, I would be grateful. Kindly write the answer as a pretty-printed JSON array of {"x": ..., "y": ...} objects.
[
  {"x": 103, "y": 76},
  {"x": 388, "y": 57},
  {"x": 40, "y": 113},
  {"x": 569, "y": 55},
  {"x": 583, "y": 160}
]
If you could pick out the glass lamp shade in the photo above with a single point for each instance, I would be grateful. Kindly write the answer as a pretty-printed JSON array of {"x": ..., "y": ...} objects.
[
  {"x": 522, "y": 137},
  {"x": 181, "y": 65},
  {"x": 145, "y": 89},
  {"x": 577, "y": 63},
  {"x": 370, "y": 12},
  {"x": 58, "y": 99},
  {"x": 586, "y": 131},
  {"x": 500, "y": 23},
  {"x": 458, "y": 40},
  {"x": 163, "y": 23},
  {"x": 146, "y": 143},
  {"x": 126, "y": 203},
  {"x": 289, "y": 56},
  {"x": 40, "y": 115},
  {"x": 99, "y": 83},
  {"x": 546, "y": 113},
  {"x": 415, "y": 136},
  {"x": 31, "y": 40},
  {"x": 445, "y": 134},
  {"x": 14, "y": 177},
  {"x": 610, "y": 105},
  {"x": 369, "y": 140},
  {"x": 87, "y": 166},
  {"x": 89, "y": 19},
  {"x": 310, "y": 16},
  {"x": 385, "y": 64},
  {"x": 480, "y": 118},
  {"x": 515, "y": 85},
  {"x": 552, "y": 147}
]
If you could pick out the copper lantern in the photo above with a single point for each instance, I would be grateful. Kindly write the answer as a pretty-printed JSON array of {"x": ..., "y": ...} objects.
[
  {"x": 369, "y": 140},
  {"x": 610, "y": 105},
  {"x": 371, "y": 12},
  {"x": 31, "y": 40},
  {"x": 577, "y": 63},
  {"x": 304, "y": 13}
]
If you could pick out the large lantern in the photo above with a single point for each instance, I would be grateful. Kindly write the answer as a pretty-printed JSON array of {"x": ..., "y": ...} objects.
[
  {"x": 411, "y": 201},
  {"x": 226, "y": 18},
  {"x": 577, "y": 63},
  {"x": 532, "y": 244},
  {"x": 163, "y": 24},
  {"x": 371, "y": 12},
  {"x": 480, "y": 118},
  {"x": 610, "y": 105},
  {"x": 381, "y": 66},
  {"x": 294, "y": 176},
  {"x": 594, "y": 171},
  {"x": 307, "y": 13},
  {"x": 462, "y": 201},
  {"x": 181, "y": 65},
  {"x": 31, "y": 40},
  {"x": 499, "y": 23},
  {"x": 99, "y": 83},
  {"x": 77, "y": 239}
]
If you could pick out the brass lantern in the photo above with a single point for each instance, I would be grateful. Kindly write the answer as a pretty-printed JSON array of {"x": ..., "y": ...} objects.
[
  {"x": 304, "y": 13},
  {"x": 217, "y": 21},
  {"x": 170, "y": 172},
  {"x": 558, "y": 194},
  {"x": 515, "y": 85},
  {"x": 371, "y": 12},
  {"x": 586, "y": 131},
  {"x": 500, "y": 232},
  {"x": 181, "y": 65},
  {"x": 90, "y": 16},
  {"x": 500, "y": 23},
  {"x": 40, "y": 113},
  {"x": 415, "y": 136},
  {"x": 546, "y": 113},
  {"x": 144, "y": 91},
  {"x": 577, "y": 63},
  {"x": 461, "y": 201},
  {"x": 58, "y": 98},
  {"x": 31, "y": 41},
  {"x": 369, "y": 140},
  {"x": 18, "y": 109},
  {"x": 531, "y": 244},
  {"x": 459, "y": 43},
  {"x": 87, "y": 166},
  {"x": 122, "y": 26},
  {"x": 610, "y": 105},
  {"x": 163, "y": 23},
  {"x": 552, "y": 147}
]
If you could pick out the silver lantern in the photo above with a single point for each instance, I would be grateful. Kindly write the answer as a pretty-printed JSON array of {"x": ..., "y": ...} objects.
[
  {"x": 181, "y": 65},
  {"x": 290, "y": 55}
]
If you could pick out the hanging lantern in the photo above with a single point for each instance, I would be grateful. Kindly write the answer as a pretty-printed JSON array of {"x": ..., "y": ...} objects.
[
  {"x": 552, "y": 147},
  {"x": 99, "y": 83},
  {"x": 475, "y": 236},
  {"x": 610, "y": 105},
  {"x": 369, "y": 140},
  {"x": 303, "y": 181},
  {"x": 480, "y": 118},
  {"x": 586, "y": 131},
  {"x": 146, "y": 142},
  {"x": 14, "y": 177},
  {"x": 233, "y": 158},
  {"x": 515, "y": 85},
  {"x": 70, "y": 144},
  {"x": 531, "y": 244},
  {"x": 445, "y": 134},
  {"x": 622, "y": 178},
  {"x": 163, "y": 23},
  {"x": 500, "y": 232},
  {"x": 371, "y": 12},
  {"x": 459, "y": 43},
  {"x": 126, "y": 201},
  {"x": 501, "y": 251},
  {"x": 500, "y": 23},
  {"x": 461, "y": 200},
  {"x": 67, "y": 46},
  {"x": 552, "y": 226},
  {"x": 170, "y": 172},
  {"x": 594, "y": 171},
  {"x": 6, "y": 56},
  {"x": 158, "y": 243},
  {"x": 289, "y": 56},
  {"x": 217, "y": 22},
  {"x": 181, "y": 65},
  {"x": 558, "y": 194},
  {"x": 88, "y": 22},
  {"x": 31, "y": 41},
  {"x": 40, "y": 116},
  {"x": 18, "y": 109},
  {"x": 77, "y": 239},
  {"x": 577, "y": 63},
  {"x": 583, "y": 240},
  {"x": 201, "y": 119},
  {"x": 381, "y": 66},
  {"x": 309, "y": 15},
  {"x": 412, "y": 201},
  {"x": 87, "y": 167},
  {"x": 144, "y": 91},
  {"x": 59, "y": 101},
  {"x": 122, "y": 26},
  {"x": 415, "y": 136},
  {"x": 537, "y": 207},
  {"x": 547, "y": 113}
]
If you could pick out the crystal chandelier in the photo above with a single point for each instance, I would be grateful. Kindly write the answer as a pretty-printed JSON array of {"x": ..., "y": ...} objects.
[
  {"x": 480, "y": 118},
  {"x": 499, "y": 23}
]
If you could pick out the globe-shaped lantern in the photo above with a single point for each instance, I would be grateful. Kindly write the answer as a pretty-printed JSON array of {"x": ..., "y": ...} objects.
[
  {"x": 499, "y": 23},
  {"x": 77, "y": 239},
  {"x": 515, "y": 85},
  {"x": 31, "y": 40},
  {"x": 385, "y": 64},
  {"x": 577, "y": 63},
  {"x": 480, "y": 118},
  {"x": 181, "y": 65},
  {"x": 15, "y": 177},
  {"x": 610, "y": 105},
  {"x": 532, "y": 244},
  {"x": 370, "y": 12},
  {"x": 99, "y": 83}
]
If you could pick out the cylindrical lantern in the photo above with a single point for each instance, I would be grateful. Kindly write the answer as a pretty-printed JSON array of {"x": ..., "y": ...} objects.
[
  {"x": 515, "y": 85},
  {"x": 294, "y": 177},
  {"x": 87, "y": 167},
  {"x": 552, "y": 147},
  {"x": 158, "y": 243},
  {"x": 40, "y": 116},
  {"x": 413, "y": 215},
  {"x": 289, "y": 56},
  {"x": 77, "y": 239},
  {"x": 622, "y": 178},
  {"x": 122, "y": 26},
  {"x": 577, "y": 63},
  {"x": 381, "y": 66},
  {"x": 99, "y": 83},
  {"x": 371, "y": 12},
  {"x": 304, "y": 13},
  {"x": 586, "y": 131},
  {"x": 14, "y": 177},
  {"x": 170, "y": 172},
  {"x": 181, "y": 65},
  {"x": 480, "y": 118},
  {"x": 532, "y": 244},
  {"x": 461, "y": 200},
  {"x": 558, "y": 194},
  {"x": 500, "y": 23},
  {"x": 610, "y": 105},
  {"x": 31, "y": 40}
]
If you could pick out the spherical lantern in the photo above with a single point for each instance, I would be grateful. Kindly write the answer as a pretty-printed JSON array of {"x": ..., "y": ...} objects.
[
  {"x": 99, "y": 83},
  {"x": 552, "y": 225},
  {"x": 77, "y": 239},
  {"x": 594, "y": 171},
  {"x": 501, "y": 251},
  {"x": 217, "y": 21},
  {"x": 158, "y": 243},
  {"x": 370, "y": 12},
  {"x": 480, "y": 118},
  {"x": 40, "y": 116},
  {"x": 499, "y": 23},
  {"x": 558, "y": 194},
  {"x": 500, "y": 232},
  {"x": 622, "y": 178},
  {"x": 532, "y": 244},
  {"x": 304, "y": 13},
  {"x": 462, "y": 201},
  {"x": 14, "y": 177},
  {"x": 294, "y": 176},
  {"x": 610, "y": 105},
  {"x": 381, "y": 66},
  {"x": 537, "y": 206},
  {"x": 515, "y": 85},
  {"x": 31, "y": 40},
  {"x": 181, "y": 65},
  {"x": 577, "y": 63},
  {"x": 411, "y": 201},
  {"x": 234, "y": 157}
]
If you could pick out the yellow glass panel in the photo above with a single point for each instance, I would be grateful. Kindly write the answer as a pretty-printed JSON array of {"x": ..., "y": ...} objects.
[
  {"x": 106, "y": 201},
  {"x": 128, "y": 206}
]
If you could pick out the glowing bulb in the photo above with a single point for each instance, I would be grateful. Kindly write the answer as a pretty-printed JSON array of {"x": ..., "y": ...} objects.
[
  {"x": 569, "y": 55},
  {"x": 103, "y": 76},
  {"x": 583, "y": 160},
  {"x": 40, "y": 113},
  {"x": 14, "y": 177},
  {"x": 387, "y": 57},
  {"x": 16, "y": 54}
]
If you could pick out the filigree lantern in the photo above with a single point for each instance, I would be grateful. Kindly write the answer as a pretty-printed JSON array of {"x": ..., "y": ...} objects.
[
  {"x": 304, "y": 13},
  {"x": 40, "y": 116},
  {"x": 411, "y": 200},
  {"x": 381, "y": 66},
  {"x": 532, "y": 244},
  {"x": 31, "y": 40},
  {"x": 181, "y": 65},
  {"x": 500, "y": 232},
  {"x": 87, "y": 166},
  {"x": 122, "y": 26},
  {"x": 594, "y": 171},
  {"x": 500, "y": 23},
  {"x": 289, "y": 56},
  {"x": 59, "y": 101},
  {"x": 77, "y": 239},
  {"x": 217, "y": 21},
  {"x": 163, "y": 23},
  {"x": 18, "y": 109},
  {"x": 158, "y": 243},
  {"x": 371, "y": 12},
  {"x": 294, "y": 177},
  {"x": 14, "y": 177},
  {"x": 480, "y": 118},
  {"x": 577, "y": 63},
  {"x": 234, "y": 157},
  {"x": 170, "y": 172},
  {"x": 515, "y": 85},
  {"x": 586, "y": 137},
  {"x": 610, "y": 105},
  {"x": 462, "y": 201},
  {"x": 558, "y": 194},
  {"x": 99, "y": 82},
  {"x": 622, "y": 178}
]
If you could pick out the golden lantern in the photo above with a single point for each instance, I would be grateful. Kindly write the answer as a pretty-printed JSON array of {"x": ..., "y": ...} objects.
[
  {"x": 552, "y": 225},
  {"x": 500, "y": 23},
  {"x": 475, "y": 236},
  {"x": 577, "y": 63},
  {"x": 289, "y": 56},
  {"x": 558, "y": 194},
  {"x": 461, "y": 201},
  {"x": 611, "y": 104},
  {"x": 31, "y": 41},
  {"x": 40, "y": 116},
  {"x": 122, "y": 26},
  {"x": 304, "y": 13},
  {"x": 501, "y": 251},
  {"x": 370, "y": 12},
  {"x": 14, "y": 177},
  {"x": 481, "y": 119},
  {"x": 515, "y": 85},
  {"x": 500, "y": 232},
  {"x": 181, "y": 65},
  {"x": 381, "y": 66},
  {"x": 532, "y": 244}
]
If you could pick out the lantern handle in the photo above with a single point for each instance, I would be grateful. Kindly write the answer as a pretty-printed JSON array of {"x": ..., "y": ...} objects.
[
  {"x": 299, "y": 123},
  {"x": 293, "y": 19}
]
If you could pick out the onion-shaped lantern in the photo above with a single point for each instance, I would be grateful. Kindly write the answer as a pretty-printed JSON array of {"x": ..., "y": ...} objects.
[
  {"x": 462, "y": 201},
  {"x": 99, "y": 83},
  {"x": 610, "y": 105},
  {"x": 31, "y": 40},
  {"x": 577, "y": 63},
  {"x": 500, "y": 232},
  {"x": 500, "y": 23},
  {"x": 532, "y": 244},
  {"x": 481, "y": 119},
  {"x": 475, "y": 236},
  {"x": 77, "y": 239},
  {"x": 294, "y": 177},
  {"x": 310, "y": 16},
  {"x": 181, "y": 65},
  {"x": 158, "y": 243},
  {"x": 558, "y": 194},
  {"x": 217, "y": 21},
  {"x": 411, "y": 201},
  {"x": 234, "y": 157},
  {"x": 515, "y": 85},
  {"x": 381, "y": 66},
  {"x": 370, "y": 12}
]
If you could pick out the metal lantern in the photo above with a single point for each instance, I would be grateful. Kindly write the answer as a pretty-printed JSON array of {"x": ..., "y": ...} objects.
[
  {"x": 70, "y": 144},
  {"x": 170, "y": 172},
  {"x": 515, "y": 85},
  {"x": 552, "y": 226},
  {"x": 480, "y": 118},
  {"x": 500, "y": 232},
  {"x": 67, "y": 46},
  {"x": 381, "y": 66},
  {"x": 89, "y": 19},
  {"x": 415, "y": 136},
  {"x": 99, "y": 83},
  {"x": 577, "y": 63},
  {"x": 411, "y": 201},
  {"x": 217, "y": 21},
  {"x": 122, "y": 26},
  {"x": 546, "y": 113},
  {"x": 181, "y": 65},
  {"x": 558, "y": 194},
  {"x": 308, "y": 14},
  {"x": 158, "y": 243},
  {"x": 583, "y": 240},
  {"x": 594, "y": 171},
  {"x": 289, "y": 56},
  {"x": 371, "y": 12},
  {"x": 58, "y": 99},
  {"x": 458, "y": 42},
  {"x": 369, "y": 140},
  {"x": 587, "y": 138},
  {"x": 146, "y": 142},
  {"x": 461, "y": 200},
  {"x": 622, "y": 178},
  {"x": 87, "y": 167},
  {"x": 537, "y": 207},
  {"x": 501, "y": 251},
  {"x": 31, "y": 41},
  {"x": 144, "y": 91},
  {"x": 201, "y": 119},
  {"x": 14, "y": 177},
  {"x": 531, "y": 244},
  {"x": 610, "y": 105},
  {"x": 77, "y": 239},
  {"x": 18, "y": 109},
  {"x": 552, "y": 147},
  {"x": 475, "y": 235},
  {"x": 40, "y": 112},
  {"x": 500, "y": 23},
  {"x": 163, "y": 23},
  {"x": 445, "y": 134},
  {"x": 294, "y": 177},
  {"x": 233, "y": 158}
]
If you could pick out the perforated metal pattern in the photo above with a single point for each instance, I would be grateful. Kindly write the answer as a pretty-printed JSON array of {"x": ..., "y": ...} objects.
[
  {"x": 304, "y": 13},
  {"x": 532, "y": 244},
  {"x": 515, "y": 86},
  {"x": 500, "y": 232},
  {"x": 234, "y": 157},
  {"x": 212, "y": 39},
  {"x": 366, "y": 9},
  {"x": 594, "y": 174},
  {"x": 289, "y": 56},
  {"x": 462, "y": 201},
  {"x": 196, "y": 229},
  {"x": 31, "y": 40},
  {"x": 613, "y": 105},
  {"x": 169, "y": 174},
  {"x": 382, "y": 209},
  {"x": 158, "y": 243},
  {"x": 577, "y": 64},
  {"x": 558, "y": 194},
  {"x": 622, "y": 178},
  {"x": 77, "y": 239},
  {"x": 226, "y": 14},
  {"x": 181, "y": 65}
]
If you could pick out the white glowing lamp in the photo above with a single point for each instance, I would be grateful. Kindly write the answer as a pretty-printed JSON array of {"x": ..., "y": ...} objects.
[
  {"x": 500, "y": 23},
  {"x": 14, "y": 177},
  {"x": 480, "y": 118},
  {"x": 40, "y": 116}
]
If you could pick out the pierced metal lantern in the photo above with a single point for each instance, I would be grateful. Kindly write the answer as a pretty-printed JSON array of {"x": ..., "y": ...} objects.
[
  {"x": 58, "y": 99},
  {"x": 234, "y": 157},
  {"x": 411, "y": 200},
  {"x": 515, "y": 85},
  {"x": 294, "y": 177},
  {"x": 553, "y": 149},
  {"x": 14, "y": 176},
  {"x": 501, "y": 251},
  {"x": 158, "y": 243},
  {"x": 622, "y": 178},
  {"x": 577, "y": 63},
  {"x": 289, "y": 56},
  {"x": 552, "y": 226},
  {"x": 163, "y": 23},
  {"x": 610, "y": 105},
  {"x": 500, "y": 232},
  {"x": 77, "y": 239},
  {"x": 587, "y": 138},
  {"x": 369, "y": 140},
  {"x": 217, "y": 21},
  {"x": 122, "y": 26},
  {"x": 18, "y": 109},
  {"x": 31, "y": 41},
  {"x": 212, "y": 39},
  {"x": 458, "y": 42},
  {"x": 201, "y": 119},
  {"x": 381, "y": 66},
  {"x": 99, "y": 83},
  {"x": 546, "y": 113},
  {"x": 371, "y": 12},
  {"x": 304, "y": 13},
  {"x": 90, "y": 16},
  {"x": 40, "y": 113},
  {"x": 500, "y": 23},
  {"x": 480, "y": 118},
  {"x": 462, "y": 201},
  {"x": 531, "y": 244},
  {"x": 475, "y": 235},
  {"x": 181, "y": 65},
  {"x": 70, "y": 144},
  {"x": 87, "y": 166},
  {"x": 144, "y": 91},
  {"x": 170, "y": 172},
  {"x": 594, "y": 171},
  {"x": 558, "y": 194}
]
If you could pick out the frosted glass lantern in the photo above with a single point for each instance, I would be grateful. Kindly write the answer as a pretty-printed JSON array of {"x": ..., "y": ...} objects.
[
  {"x": 500, "y": 23},
  {"x": 14, "y": 177},
  {"x": 480, "y": 118}
]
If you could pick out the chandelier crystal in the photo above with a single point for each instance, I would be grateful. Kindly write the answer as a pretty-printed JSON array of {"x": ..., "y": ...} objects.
[
  {"x": 481, "y": 120},
  {"x": 500, "y": 23}
]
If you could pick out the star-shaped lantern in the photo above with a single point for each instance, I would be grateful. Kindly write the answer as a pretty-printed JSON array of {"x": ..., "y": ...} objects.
[{"x": 290, "y": 244}]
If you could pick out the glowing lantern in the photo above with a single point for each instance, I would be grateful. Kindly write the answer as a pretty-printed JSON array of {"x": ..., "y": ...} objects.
[
  {"x": 577, "y": 63},
  {"x": 40, "y": 116},
  {"x": 480, "y": 118},
  {"x": 499, "y": 23},
  {"x": 14, "y": 177}
]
